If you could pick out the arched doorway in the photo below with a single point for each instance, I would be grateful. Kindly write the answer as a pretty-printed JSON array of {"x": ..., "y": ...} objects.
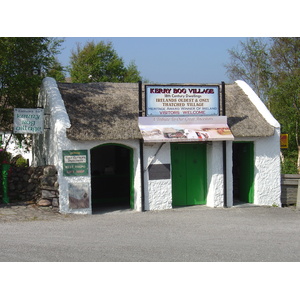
[{"x": 112, "y": 177}]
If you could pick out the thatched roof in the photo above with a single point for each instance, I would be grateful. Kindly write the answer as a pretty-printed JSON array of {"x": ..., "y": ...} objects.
[
  {"x": 102, "y": 111},
  {"x": 109, "y": 111},
  {"x": 243, "y": 118}
]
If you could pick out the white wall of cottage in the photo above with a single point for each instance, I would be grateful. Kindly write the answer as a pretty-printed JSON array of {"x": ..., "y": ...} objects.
[{"x": 158, "y": 193}]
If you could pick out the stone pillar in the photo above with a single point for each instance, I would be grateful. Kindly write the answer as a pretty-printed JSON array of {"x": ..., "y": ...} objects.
[{"x": 49, "y": 188}]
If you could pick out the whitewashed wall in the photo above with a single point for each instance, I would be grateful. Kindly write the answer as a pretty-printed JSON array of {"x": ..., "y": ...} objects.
[
  {"x": 64, "y": 181},
  {"x": 215, "y": 174},
  {"x": 158, "y": 193},
  {"x": 267, "y": 188},
  {"x": 49, "y": 147},
  {"x": 267, "y": 172},
  {"x": 267, "y": 185}
]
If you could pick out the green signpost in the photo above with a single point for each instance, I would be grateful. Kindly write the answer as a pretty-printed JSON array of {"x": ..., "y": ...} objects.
[{"x": 5, "y": 169}]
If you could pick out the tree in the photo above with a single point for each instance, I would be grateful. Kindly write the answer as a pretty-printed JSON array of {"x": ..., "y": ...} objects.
[
  {"x": 251, "y": 63},
  {"x": 132, "y": 74},
  {"x": 24, "y": 63},
  {"x": 272, "y": 69},
  {"x": 284, "y": 96},
  {"x": 57, "y": 71},
  {"x": 100, "y": 63}
]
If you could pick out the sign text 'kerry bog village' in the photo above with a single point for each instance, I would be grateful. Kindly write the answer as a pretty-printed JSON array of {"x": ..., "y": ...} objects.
[{"x": 182, "y": 100}]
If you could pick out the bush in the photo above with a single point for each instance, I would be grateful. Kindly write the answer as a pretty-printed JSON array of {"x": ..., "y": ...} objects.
[
  {"x": 289, "y": 166},
  {"x": 21, "y": 162}
]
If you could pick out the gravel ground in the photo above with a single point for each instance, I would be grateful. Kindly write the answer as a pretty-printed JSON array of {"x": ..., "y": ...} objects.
[{"x": 31, "y": 212}]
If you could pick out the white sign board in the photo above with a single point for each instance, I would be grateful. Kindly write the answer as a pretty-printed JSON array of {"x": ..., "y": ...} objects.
[
  {"x": 29, "y": 120},
  {"x": 184, "y": 129},
  {"x": 186, "y": 100}
]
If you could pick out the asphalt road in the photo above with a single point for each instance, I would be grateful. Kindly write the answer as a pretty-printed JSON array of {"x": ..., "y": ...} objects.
[{"x": 190, "y": 234}]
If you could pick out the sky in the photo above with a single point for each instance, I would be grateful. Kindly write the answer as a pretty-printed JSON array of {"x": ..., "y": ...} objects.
[
  {"x": 169, "y": 42},
  {"x": 168, "y": 59}
]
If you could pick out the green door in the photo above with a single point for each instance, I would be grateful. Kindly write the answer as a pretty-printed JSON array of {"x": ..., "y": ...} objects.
[
  {"x": 188, "y": 174},
  {"x": 243, "y": 171}
]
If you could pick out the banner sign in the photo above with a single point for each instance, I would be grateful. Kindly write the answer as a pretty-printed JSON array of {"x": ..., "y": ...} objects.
[
  {"x": 185, "y": 129},
  {"x": 29, "y": 120},
  {"x": 75, "y": 163},
  {"x": 186, "y": 100},
  {"x": 284, "y": 141}
]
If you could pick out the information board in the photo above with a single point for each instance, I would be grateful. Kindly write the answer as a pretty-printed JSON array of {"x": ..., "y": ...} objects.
[
  {"x": 186, "y": 100},
  {"x": 29, "y": 120},
  {"x": 75, "y": 163},
  {"x": 284, "y": 141}
]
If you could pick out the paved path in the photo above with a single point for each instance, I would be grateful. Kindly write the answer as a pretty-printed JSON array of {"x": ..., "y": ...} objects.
[{"x": 194, "y": 234}]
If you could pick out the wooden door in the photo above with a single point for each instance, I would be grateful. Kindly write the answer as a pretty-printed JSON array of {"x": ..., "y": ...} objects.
[{"x": 189, "y": 186}]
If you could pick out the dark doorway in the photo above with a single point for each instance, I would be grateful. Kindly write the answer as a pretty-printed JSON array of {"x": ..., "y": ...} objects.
[
  {"x": 111, "y": 177},
  {"x": 243, "y": 172}
]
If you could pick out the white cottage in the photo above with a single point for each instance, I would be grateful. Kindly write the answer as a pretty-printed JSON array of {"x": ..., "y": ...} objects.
[{"x": 109, "y": 149}]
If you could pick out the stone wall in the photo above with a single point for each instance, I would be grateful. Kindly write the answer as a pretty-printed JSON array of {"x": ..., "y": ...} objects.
[{"x": 36, "y": 185}]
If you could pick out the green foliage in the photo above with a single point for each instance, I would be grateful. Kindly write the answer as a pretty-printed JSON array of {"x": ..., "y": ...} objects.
[
  {"x": 272, "y": 69},
  {"x": 132, "y": 74},
  {"x": 284, "y": 105},
  {"x": 250, "y": 63},
  {"x": 21, "y": 162},
  {"x": 57, "y": 71},
  {"x": 100, "y": 63},
  {"x": 24, "y": 63},
  {"x": 289, "y": 165},
  {"x": 6, "y": 158}
]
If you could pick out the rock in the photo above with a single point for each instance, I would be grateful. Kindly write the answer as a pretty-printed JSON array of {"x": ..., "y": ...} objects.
[
  {"x": 55, "y": 202},
  {"x": 30, "y": 187},
  {"x": 50, "y": 171},
  {"x": 44, "y": 202},
  {"x": 48, "y": 194},
  {"x": 26, "y": 177},
  {"x": 48, "y": 181}
]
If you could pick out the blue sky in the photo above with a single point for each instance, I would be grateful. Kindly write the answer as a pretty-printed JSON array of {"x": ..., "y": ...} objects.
[
  {"x": 199, "y": 57},
  {"x": 169, "y": 59}
]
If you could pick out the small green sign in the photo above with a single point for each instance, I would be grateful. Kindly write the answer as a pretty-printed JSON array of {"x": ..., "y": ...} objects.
[{"x": 75, "y": 163}]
